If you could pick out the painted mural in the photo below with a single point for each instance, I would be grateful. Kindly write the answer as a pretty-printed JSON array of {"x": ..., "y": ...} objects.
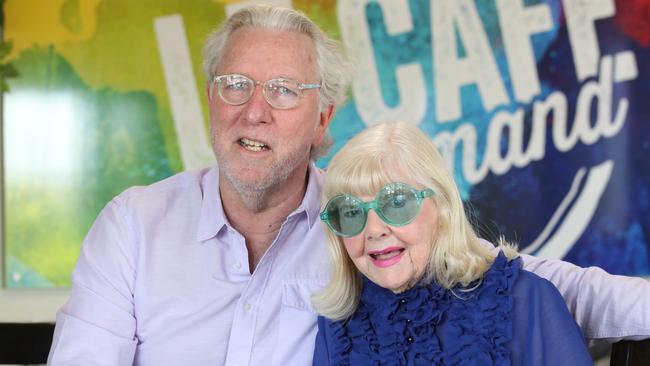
[{"x": 540, "y": 107}]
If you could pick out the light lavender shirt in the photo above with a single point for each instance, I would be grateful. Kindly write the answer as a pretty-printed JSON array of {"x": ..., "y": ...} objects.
[{"x": 162, "y": 279}]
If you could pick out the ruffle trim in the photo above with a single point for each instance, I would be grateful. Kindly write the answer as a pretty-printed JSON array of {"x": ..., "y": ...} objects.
[{"x": 400, "y": 329}]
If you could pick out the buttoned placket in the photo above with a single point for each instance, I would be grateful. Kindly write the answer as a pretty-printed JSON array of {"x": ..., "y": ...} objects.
[
  {"x": 409, "y": 323},
  {"x": 242, "y": 332}
]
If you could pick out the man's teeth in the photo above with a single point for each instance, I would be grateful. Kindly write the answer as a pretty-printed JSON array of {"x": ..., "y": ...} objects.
[{"x": 252, "y": 145}]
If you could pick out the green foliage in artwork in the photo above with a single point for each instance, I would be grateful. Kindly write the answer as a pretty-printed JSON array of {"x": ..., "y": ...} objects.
[
  {"x": 70, "y": 17},
  {"x": 7, "y": 69},
  {"x": 120, "y": 144}
]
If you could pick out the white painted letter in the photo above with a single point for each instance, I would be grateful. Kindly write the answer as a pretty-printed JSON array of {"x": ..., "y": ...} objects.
[
  {"x": 517, "y": 24},
  {"x": 366, "y": 87},
  {"x": 580, "y": 18},
  {"x": 450, "y": 72},
  {"x": 447, "y": 142},
  {"x": 183, "y": 93},
  {"x": 599, "y": 92},
  {"x": 513, "y": 122}
]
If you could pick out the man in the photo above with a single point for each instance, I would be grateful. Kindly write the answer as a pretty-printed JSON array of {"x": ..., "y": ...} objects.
[{"x": 218, "y": 266}]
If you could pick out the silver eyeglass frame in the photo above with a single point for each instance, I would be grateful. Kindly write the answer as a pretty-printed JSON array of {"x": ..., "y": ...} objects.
[{"x": 217, "y": 79}]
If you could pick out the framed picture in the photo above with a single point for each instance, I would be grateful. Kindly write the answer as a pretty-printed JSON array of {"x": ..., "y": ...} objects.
[{"x": 539, "y": 107}]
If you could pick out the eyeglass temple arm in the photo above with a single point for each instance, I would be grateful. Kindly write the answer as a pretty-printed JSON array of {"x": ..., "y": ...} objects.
[
  {"x": 309, "y": 86},
  {"x": 426, "y": 193}
]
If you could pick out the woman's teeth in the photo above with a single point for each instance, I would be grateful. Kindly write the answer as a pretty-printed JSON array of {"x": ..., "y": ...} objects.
[
  {"x": 386, "y": 255},
  {"x": 252, "y": 145}
]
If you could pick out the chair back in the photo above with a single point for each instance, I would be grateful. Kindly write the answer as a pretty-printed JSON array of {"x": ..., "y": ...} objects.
[
  {"x": 631, "y": 353},
  {"x": 25, "y": 343}
]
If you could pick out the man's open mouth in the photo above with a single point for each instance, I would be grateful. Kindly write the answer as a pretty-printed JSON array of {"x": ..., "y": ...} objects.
[{"x": 252, "y": 145}]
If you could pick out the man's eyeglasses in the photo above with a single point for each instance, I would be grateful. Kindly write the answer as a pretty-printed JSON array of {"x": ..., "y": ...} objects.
[
  {"x": 280, "y": 93},
  {"x": 397, "y": 204}
]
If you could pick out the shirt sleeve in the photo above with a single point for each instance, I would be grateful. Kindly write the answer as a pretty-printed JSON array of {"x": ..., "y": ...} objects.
[
  {"x": 321, "y": 354},
  {"x": 544, "y": 333},
  {"x": 97, "y": 324},
  {"x": 605, "y": 306}
]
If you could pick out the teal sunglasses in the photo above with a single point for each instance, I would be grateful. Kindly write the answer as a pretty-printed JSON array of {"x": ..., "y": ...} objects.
[{"x": 397, "y": 204}]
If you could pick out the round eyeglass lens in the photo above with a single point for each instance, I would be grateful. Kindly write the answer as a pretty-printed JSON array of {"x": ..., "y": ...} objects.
[
  {"x": 235, "y": 89},
  {"x": 282, "y": 93},
  {"x": 346, "y": 215},
  {"x": 398, "y": 204}
]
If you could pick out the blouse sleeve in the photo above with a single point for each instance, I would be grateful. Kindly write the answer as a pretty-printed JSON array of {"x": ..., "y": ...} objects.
[
  {"x": 321, "y": 354},
  {"x": 544, "y": 332}
]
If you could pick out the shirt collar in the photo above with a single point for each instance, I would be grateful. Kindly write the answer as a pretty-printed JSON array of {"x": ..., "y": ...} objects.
[
  {"x": 213, "y": 218},
  {"x": 311, "y": 202}
]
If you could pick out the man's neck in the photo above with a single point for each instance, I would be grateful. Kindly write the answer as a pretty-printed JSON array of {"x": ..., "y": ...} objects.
[{"x": 260, "y": 221}]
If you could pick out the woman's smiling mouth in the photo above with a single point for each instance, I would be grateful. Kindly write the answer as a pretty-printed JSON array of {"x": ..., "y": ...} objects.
[{"x": 386, "y": 257}]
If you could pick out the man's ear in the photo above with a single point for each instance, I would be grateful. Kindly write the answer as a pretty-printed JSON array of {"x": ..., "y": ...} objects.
[
  {"x": 328, "y": 114},
  {"x": 325, "y": 118}
]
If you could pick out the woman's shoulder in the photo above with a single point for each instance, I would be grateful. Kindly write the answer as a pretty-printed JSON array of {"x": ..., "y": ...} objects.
[
  {"x": 332, "y": 330},
  {"x": 503, "y": 273},
  {"x": 541, "y": 316},
  {"x": 529, "y": 284},
  {"x": 521, "y": 281}
]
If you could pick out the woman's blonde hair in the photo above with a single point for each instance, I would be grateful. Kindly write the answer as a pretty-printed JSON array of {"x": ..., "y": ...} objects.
[{"x": 394, "y": 152}]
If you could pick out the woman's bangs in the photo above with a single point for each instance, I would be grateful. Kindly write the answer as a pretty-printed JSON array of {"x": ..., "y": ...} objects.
[{"x": 363, "y": 176}]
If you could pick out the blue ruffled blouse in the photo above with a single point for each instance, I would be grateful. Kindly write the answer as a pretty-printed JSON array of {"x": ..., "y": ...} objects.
[{"x": 512, "y": 317}]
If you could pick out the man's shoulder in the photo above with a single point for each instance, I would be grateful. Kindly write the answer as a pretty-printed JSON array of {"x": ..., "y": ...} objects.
[{"x": 177, "y": 186}]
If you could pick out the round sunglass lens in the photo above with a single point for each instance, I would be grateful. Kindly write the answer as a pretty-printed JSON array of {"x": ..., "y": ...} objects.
[
  {"x": 346, "y": 215},
  {"x": 398, "y": 204}
]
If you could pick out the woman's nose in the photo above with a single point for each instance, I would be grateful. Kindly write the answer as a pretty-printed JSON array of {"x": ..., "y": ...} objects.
[{"x": 376, "y": 228}]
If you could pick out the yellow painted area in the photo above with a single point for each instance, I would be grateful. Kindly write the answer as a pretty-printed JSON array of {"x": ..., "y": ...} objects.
[{"x": 38, "y": 22}]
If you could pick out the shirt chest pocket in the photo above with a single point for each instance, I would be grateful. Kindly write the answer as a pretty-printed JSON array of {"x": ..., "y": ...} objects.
[
  {"x": 297, "y": 294},
  {"x": 298, "y": 321}
]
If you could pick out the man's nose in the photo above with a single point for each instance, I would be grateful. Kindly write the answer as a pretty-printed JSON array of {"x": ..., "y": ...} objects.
[{"x": 257, "y": 109}]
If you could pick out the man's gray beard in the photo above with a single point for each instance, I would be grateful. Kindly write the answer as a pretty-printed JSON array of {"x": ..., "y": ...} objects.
[{"x": 254, "y": 195}]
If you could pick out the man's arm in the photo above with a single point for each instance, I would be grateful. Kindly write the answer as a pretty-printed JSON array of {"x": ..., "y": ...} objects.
[
  {"x": 97, "y": 324},
  {"x": 605, "y": 306}
]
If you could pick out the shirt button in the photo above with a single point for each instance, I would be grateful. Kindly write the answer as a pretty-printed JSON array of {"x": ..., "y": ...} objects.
[
  {"x": 408, "y": 321},
  {"x": 402, "y": 301},
  {"x": 409, "y": 339},
  {"x": 247, "y": 307},
  {"x": 237, "y": 265}
]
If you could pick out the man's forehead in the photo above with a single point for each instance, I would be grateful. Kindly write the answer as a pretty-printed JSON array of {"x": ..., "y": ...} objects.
[{"x": 256, "y": 48}]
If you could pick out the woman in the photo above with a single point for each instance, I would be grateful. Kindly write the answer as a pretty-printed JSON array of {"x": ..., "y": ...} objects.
[{"x": 411, "y": 283}]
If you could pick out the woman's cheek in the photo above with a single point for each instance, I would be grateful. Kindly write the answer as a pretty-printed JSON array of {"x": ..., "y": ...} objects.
[{"x": 354, "y": 247}]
